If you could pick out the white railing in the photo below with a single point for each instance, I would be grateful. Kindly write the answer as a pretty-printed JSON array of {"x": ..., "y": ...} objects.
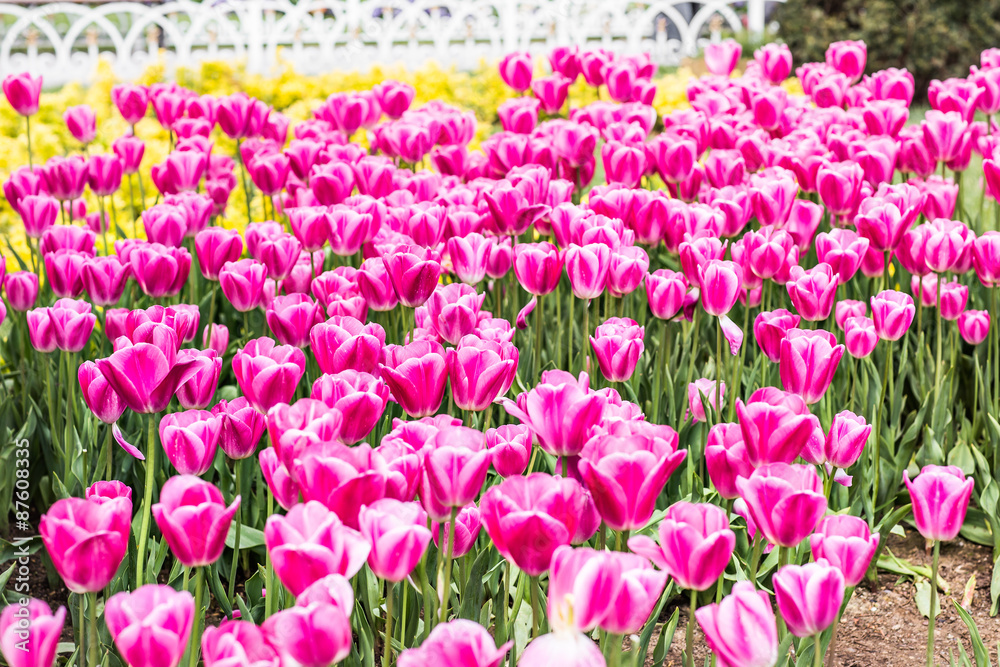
[{"x": 63, "y": 41}]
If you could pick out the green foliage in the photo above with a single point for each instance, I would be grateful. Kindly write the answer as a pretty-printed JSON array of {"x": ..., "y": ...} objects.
[{"x": 933, "y": 39}]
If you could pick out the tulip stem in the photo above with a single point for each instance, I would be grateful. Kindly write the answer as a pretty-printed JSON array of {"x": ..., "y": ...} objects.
[
  {"x": 237, "y": 465},
  {"x": 586, "y": 335},
  {"x": 535, "y": 611},
  {"x": 27, "y": 132},
  {"x": 93, "y": 642},
  {"x": 387, "y": 650},
  {"x": 689, "y": 638},
  {"x": 81, "y": 632},
  {"x": 449, "y": 555},
  {"x": 782, "y": 562},
  {"x": 934, "y": 585},
  {"x": 569, "y": 341},
  {"x": 110, "y": 450},
  {"x": 270, "y": 595},
  {"x": 147, "y": 500},
  {"x": 717, "y": 410},
  {"x": 199, "y": 614},
  {"x": 877, "y": 453},
  {"x": 938, "y": 365},
  {"x": 658, "y": 377},
  {"x": 243, "y": 175},
  {"x": 758, "y": 548},
  {"x": 817, "y": 650},
  {"x": 692, "y": 353},
  {"x": 538, "y": 340}
]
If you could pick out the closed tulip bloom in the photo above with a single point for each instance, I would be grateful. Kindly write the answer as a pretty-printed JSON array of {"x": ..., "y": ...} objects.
[
  {"x": 481, "y": 371},
  {"x": 848, "y": 58},
  {"x": 567, "y": 649},
  {"x": 375, "y": 285},
  {"x": 945, "y": 244},
  {"x": 413, "y": 272},
  {"x": 770, "y": 328},
  {"x": 701, "y": 392},
  {"x": 840, "y": 186},
  {"x": 267, "y": 373},
  {"x": 943, "y": 133},
  {"x": 697, "y": 252},
  {"x": 131, "y": 101},
  {"x": 160, "y": 270},
  {"x": 809, "y": 596},
  {"x": 846, "y": 439},
  {"x": 986, "y": 258},
  {"x": 628, "y": 267},
  {"x": 99, "y": 396},
  {"x": 194, "y": 519},
  {"x": 775, "y": 61},
  {"x": 316, "y": 635},
  {"x": 279, "y": 479},
  {"x": 560, "y": 411},
  {"x": 551, "y": 92},
  {"x": 892, "y": 313},
  {"x": 269, "y": 172},
  {"x": 843, "y": 250},
  {"x": 528, "y": 518},
  {"x": 150, "y": 625},
  {"x": 675, "y": 157},
  {"x": 785, "y": 501},
  {"x": 809, "y": 360},
  {"x": 38, "y": 213},
  {"x": 236, "y": 644},
  {"x": 87, "y": 540},
  {"x": 65, "y": 178},
  {"x": 72, "y": 323},
  {"x": 940, "y": 497},
  {"x": 510, "y": 449},
  {"x": 860, "y": 337},
  {"x": 665, "y": 291},
  {"x": 344, "y": 343},
  {"x": 416, "y": 375},
  {"x": 974, "y": 325},
  {"x": 215, "y": 337},
  {"x": 848, "y": 308},
  {"x": 81, "y": 123},
  {"x": 695, "y": 544},
  {"x": 467, "y": 526},
  {"x": 307, "y": 424},
  {"x": 458, "y": 643},
  {"x": 147, "y": 370},
  {"x": 278, "y": 253},
  {"x": 468, "y": 256},
  {"x": 776, "y": 426},
  {"x": 291, "y": 317},
  {"x": 104, "y": 279},
  {"x": 741, "y": 630},
  {"x": 216, "y": 247},
  {"x": 617, "y": 346},
  {"x": 309, "y": 543},
  {"x": 242, "y": 283},
  {"x": 23, "y": 92},
  {"x": 40, "y": 330},
  {"x": 519, "y": 115},
  {"x": 349, "y": 230},
  {"x": 626, "y": 470},
  {"x": 29, "y": 633},
  {"x": 623, "y": 163},
  {"x": 953, "y": 297},
  {"x": 198, "y": 390},
  {"x": 538, "y": 267},
  {"x": 241, "y": 427},
  {"x": 726, "y": 458},
  {"x": 104, "y": 174},
  {"x": 398, "y": 535},
  {"x": 360, "y": 397},
  {"x": 582, "y": 586},
  {"x": 722, "y": 57},
  {"x": 455, "y": 465},
  {"x": 813, "y": 292},
  {"x": 130, "y": 151},
  {"x": 721, "y": 282},
  {"x": 516, "y": 70},
  {"x": 454, "y": 311},
  {"x": 846, "y": 543},
  {"x": 190, "y": 439},
  {"x": 64, "y": 270}
]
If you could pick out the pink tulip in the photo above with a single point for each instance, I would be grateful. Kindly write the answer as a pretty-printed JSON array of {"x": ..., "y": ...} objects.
[
  {"x": 626, "y": 470},
  {"x": 617, "y": 346},
  {"x": 242, "y": 283},
  {"x": 38, "y": 213},
  {"x": 241, "y": 427},
  {"x": 279, "y": 479},
  {"x": 480, "y": 371},
  {"x": 840, "y": 186},
  {"x": 986, "y": 258},
  {"x": 848, "y": 58},
  {"x": 269, "y": 172},
  {"x": 628, "y": 267},
  {"x": 813, "y": 292},
  {"x": 516, "y": 71},
  {"x": 560, "y": 411},
  {"x": 343, "y": 343},
  {"x": 458, "y": 643},
  {"x": 952, "y": 297},
  {"x": 416, "y": 375},
  {"x": 943, "y": 132},
  {"x": 776, "y": 426},
  {"x": 519, "y": 115},
  {"x": 160, "y": 271},
  {"x": 454, "y": 311},
  {"x": 104, "y": 174},
  {"x": 720, "y": 286},
  {"x": 398, "y": 535},
  {"x": 567, "y": 649},
  {"x": 756, "y": 644},
  {"x": 150, "y": 625},
  {"x": 30, "y": 632},
  {"x": 665, "y": 290},
  {"x": 551, "y": 92},
  {"x": 22, "y": 289},
  {"x": 64, "y": 270},
  {"x": 722, "y": 57},
  {"x": 291, "y": 317},
  {"x": 940, "y": 497},
  {"x": 467, "y": 526},
  {"x": 190, "y": 440},
  {"x": 846, "y": 439},
  {"x": 375, "y": 285},
  {"x": 215, "y": 248},
  {"x": 623, "y": 163},
  {"x": 278, "y": 253},
  {"x": 770, "y": 328},
  {"x": 413, "y": 272},
  {"x": 701, "y": 392},
  {"x": 87, "y": 540},
  {"x": 194, "y": 519},
  {"x": 892, "y": 313},
  {"x": 698, "y": 252},
  {"x": 785, "y": 501},
  {"x": 130, "y": 151},
  {"x": 23, "y": 91},
  {"x": 809, "y": 360},
  {"x": 316, "y": 635},
  {"x": 675, "y": 157},
  {"x": 102, "y": 400},
  {"x": 726, "y": 458},
  {"x": 974, "y": 326},
  {"x": 809, "y": 596},
  {"x": 236, "y": 643},
  {"x": 455, "y": 465},
  {"x": 81, "y": 123},
  {"x": 132, "y": 101},
  {"x": 360, "y": 397},
  {"x": 946, "y": 243},
  {"x": 529, "y": 517},
  {"x": 695, "y": 544},
  {"x": 146, "y": 370},
  {"x": 843, "y": 250},
  {"x": 104, "y": 280},
  {"x": 309, "y": 543},
  {"x": 267, "y": 373},
  {"x": 582, "y": 586},
  {"x": 860, "y": 337},
  {"x": 538, "y": 266},
  {"x": 510, "y": 449},
  {"x": 40, "y": 330},
  {"x": 240, "y": 116},
  {"x": 65, "y": 178},
  {"x": 847, "y": 544},
  {"x": 775, "y": 61}
]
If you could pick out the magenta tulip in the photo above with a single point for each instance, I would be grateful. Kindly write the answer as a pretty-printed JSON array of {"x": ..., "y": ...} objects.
[
  {"x": 151, "y": 625},
  {"x": 560, "y": 411},
  {"x": 480, "y": 371},
  {"x": 741, "y": 630},
  {"x": 23, "y": 91},
  {"x": 617, "y": 347},
  {"x": 785, "y": 501},
  {"x": 194, "y": 519},
  {"x": 190, "y": 440},
  {"x": 809, "y": 596},
  {"x": 538, "y": 267},
  {"x": 846, "y": 543},
  {"x": 809, "y": 360},
  {"x": 726, "y": 458},
  {"x": 510, "y": 449},
  {"x": 241, "y": 427},
  {"x": 398, "y": 535},
  {"x": 940, "y": 497},
  {"x": 87, "y": 540},
  {"x": 30, "y": 632},
  {"x": 720, "y": 282},
  {"x": 892, "y": 313},
  {"x": 267, "y": 373}
]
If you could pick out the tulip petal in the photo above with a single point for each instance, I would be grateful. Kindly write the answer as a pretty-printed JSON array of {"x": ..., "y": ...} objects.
[{"x": 127, "y": 446}]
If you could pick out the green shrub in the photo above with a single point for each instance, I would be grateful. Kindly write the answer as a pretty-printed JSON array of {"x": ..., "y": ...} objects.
[{"x": 933, "y": 39}]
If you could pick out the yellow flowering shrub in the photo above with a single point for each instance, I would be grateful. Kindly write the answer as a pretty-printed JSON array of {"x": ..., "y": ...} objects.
[{"x": 480, "y": 90}]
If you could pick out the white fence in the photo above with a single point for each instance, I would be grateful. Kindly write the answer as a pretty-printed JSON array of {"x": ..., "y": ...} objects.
[{"x": 63, "y": 41}]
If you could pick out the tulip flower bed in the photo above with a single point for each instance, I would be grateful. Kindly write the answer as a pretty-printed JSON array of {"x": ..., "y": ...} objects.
[{"x": 438, "y": 404}]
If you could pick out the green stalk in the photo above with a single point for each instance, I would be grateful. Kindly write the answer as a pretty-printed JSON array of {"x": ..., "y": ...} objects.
[
  {"x": 110, "y": 450},
  {"x": 877, "y": 452},
  {"x": 586, "y": 335},
  {"x": 817, "y": 650},
  {"x": 93, "y": 642},
  {"x": 782, "y": 562},
  {"x": 692, "y": 353},
  {"x": 937, "y": 363},
  {"x": 569, "y": 341},
  {"x": 718, "y": 373},
  {"x": 199, "y": 615},
  {"x": 236, "y": 538},
  {"x": 538, "y": 340},
  {"x": 147, "y": 501},
  {"x": 658, "y": 377},
  {"x": 689, "y": 637},
  {"x": 387, "y": 651},
  {"x": 558, "y": 354},
  {"x": 27, "y": 131},
  {"x": 269, "y": 566},
  {"x": 80, "y": 631},
  {"x": 758, "y": 548},
  {"x": 449, "y": 555},
  {"x": 934, "y": 585},
  {"x": 535, "y": 610}
]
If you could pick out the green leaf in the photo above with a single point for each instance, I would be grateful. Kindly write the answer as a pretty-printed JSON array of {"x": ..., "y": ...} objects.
[
  {"x": 250, "y": 538},
  {"x": 995, "y": 588},
  {"x": 11, "y": 551},
  {"x": 217, "y": 590},
  {"x": 923, "y": 599},
  {"x": 783, "y": 647},
  {"x": 978, "y": 648},
  {"x": 472, "y": 598},
  {"x": 666, "y": 638}
]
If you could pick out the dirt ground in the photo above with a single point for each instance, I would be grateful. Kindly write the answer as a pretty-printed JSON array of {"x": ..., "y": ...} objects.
[{"x": 882, "y": 626}]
